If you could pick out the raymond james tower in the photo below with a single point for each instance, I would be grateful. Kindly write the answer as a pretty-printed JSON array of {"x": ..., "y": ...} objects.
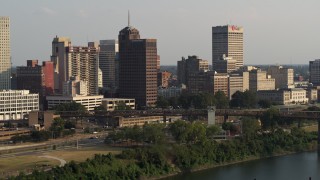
[
  {"x": 228, "y": 40},
  {"x": 137, "y": 67},
  {"x": 5, "y": 57}
]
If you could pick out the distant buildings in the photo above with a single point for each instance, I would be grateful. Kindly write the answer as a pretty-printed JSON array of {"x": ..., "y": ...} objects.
[
  {"x": 36, "y": 78},
  {"x": 228, "y": 40},
  {"x": 70, "y": 61},
  {"x": 284, "y": 96},
  {"x": 111, "y": 104},
  {"x": 190, "y": 66},
  {"x": 260, "y": 80},
  {"x": 224, "y": 65},
  {"x": 108, "y": 55},
  {"x": 75, "y": 87},
  {"x": 163, "y": 79},
  {"x": 89, "y": 102},
  {"x": 5, "y": 53},
  {"x": 15, "y": 104},
  {"x": 284, "y": 77},
  {"x": 314, "y": 69},
  {"x": 238, "y": 82},
  {"x": 137, "y": 67}
]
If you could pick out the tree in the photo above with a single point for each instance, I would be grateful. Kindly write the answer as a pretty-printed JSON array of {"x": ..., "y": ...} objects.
[
  {"x": 221, "y": 100},
  {"x": 162, "y": 102},
  {"x": 264, "y": 103},
  {"x": 153, "y": 133},
  {"x": 122, "y": 106},
  {"x": 57, "y": 126},
  {"x": 250, "y": 126},
  {"x": 247, "y": 99},
  {"x": 72, "y": 106},
  {"x": 270, "y": 118},
  {"x": 212, "y": 131}
]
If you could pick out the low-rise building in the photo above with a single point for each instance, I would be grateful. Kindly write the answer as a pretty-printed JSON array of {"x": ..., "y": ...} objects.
[
  {"x": 16, "y": 104},
  {"x": 111, "y": 104},
  {"x": 171, "y": 91},
  {"x": 284, "y": 96},
  {"x": 138, "y": 121},
  {"x": 90, "y": 102}
]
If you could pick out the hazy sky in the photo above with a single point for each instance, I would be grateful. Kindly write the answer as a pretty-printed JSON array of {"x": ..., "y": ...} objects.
[{"x": 276, "y": 31}]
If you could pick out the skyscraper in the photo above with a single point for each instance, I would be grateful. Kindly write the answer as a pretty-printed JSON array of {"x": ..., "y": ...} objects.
[
  {"x": 5, "y": 57},
  {"x": 107, "y": 58},
  {"x": 314, "y": 69},
  {"x": 59, "y": 45},
  {"x": 137, "y": 67},
  {"x": 227, "y": 40}
]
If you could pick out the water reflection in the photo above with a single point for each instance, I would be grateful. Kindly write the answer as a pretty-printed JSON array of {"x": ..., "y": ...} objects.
[{"x": 299, "y": 166}]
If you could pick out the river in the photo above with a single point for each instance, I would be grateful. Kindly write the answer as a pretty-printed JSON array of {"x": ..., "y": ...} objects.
[{"x": 299, "y": 166}]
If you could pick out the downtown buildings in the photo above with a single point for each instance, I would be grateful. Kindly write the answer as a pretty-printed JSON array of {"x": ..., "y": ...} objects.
[
  {"x": 5, "y": 53},
  {"x": 137, "y": 67},
  {"x": 227, "y": 40}
]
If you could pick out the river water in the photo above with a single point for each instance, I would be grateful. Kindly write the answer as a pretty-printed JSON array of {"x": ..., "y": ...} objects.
[{"x": 299, "y": 166}]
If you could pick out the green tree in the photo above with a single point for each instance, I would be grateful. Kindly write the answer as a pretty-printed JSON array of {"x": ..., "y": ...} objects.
[
  {"x": 162, "y": 102},
  {"x": 250, "y": 126},
  {"x": 72, "y": 106},
  {"x": 270, "y": 118},
  {"x": 264, "y": 103},
  {"x": 57, "y": 126},
  {"x": 247, "y": 99},
  {"x": 122, "y": 106},
  {"x": 154, "y": 133},
  {"x": 221, "y": 100}
]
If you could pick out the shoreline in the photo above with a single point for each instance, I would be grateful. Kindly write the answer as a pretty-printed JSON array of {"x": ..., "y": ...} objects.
[{"x": 252, "y": 158}]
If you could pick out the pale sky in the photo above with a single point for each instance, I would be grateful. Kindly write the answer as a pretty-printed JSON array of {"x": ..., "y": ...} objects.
[{"x": 275, "y": 31}]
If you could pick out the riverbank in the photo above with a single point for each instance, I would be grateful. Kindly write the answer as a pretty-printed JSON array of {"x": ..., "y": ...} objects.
[{"x": 313, "y": 147}]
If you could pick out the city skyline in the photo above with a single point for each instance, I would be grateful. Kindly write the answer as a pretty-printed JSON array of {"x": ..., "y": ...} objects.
[{"x": 279, "y": 37}]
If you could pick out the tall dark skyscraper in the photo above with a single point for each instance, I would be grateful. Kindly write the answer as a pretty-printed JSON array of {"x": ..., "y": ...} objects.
[{"x": 137, "y": 67}]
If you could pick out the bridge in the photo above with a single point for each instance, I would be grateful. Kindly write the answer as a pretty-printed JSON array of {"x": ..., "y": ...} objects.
[{"x": 294, "y": 115}]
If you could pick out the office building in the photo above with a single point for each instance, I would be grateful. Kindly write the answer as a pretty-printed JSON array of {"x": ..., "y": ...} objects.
[
  {"x": 238, "y": 82},
  {"x": 224, "y": 65},
  {"x": 228, "y": 40},
  {"x": 163, "y": 79},
  {"x": 284, "y": 77},
  {"x": 108, "y": 56},
  {"x": 259, "y": 80},
  {"x": 89, "y": 102},
  {"x": 137, "y": 67},
  {"x": 314, "y": 69},
  {"x": 5, "y": 53},
  {"x": 83, "y": 62},
  {"x": 59, "y": 58},
  {"x": 111, "y": 104},
  {"x": 16, "y": 104},
  {"x": 192, "y": 65},
  {"x": 75, "y": 87},
  {"x": 284, "y": 96},
  {"x": 36, "y": 78}
]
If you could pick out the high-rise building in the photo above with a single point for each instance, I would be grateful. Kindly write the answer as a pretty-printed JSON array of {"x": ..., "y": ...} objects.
[
  {"x": 228, "y": 40},
  {"x": 5, "y": 53},
  {"x": 108, "y": 55},
  {"x": 314, "y": 69},
  {"x": 192, "y": 65},
  {"x": 59, "y": 58},
  {"x": 137, "y": 67},
  {"x": 83, "y": 62},
  {"x": 283, "y": 76}
]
